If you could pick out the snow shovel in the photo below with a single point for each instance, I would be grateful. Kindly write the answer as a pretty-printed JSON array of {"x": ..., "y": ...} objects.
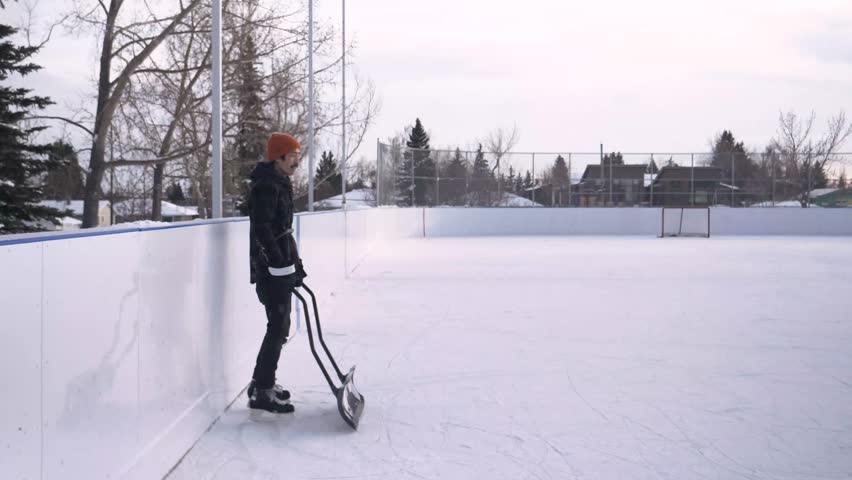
[{"x": 350, "y": 403}]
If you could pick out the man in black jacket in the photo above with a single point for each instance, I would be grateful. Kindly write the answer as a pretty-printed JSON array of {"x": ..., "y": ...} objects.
[{"x": 275, "y": 264}]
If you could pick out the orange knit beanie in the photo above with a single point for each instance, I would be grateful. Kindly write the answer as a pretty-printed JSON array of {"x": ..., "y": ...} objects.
[{"x": 280, "y": 144}]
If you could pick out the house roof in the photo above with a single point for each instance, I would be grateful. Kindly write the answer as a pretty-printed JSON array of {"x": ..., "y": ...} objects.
[
  {"x": 76, "y": 206},
  {"x": 819, "y": 192},
  {"x": 702, "y": 174},
  {"x": 632, "y": 172},
  {"x": 168, "y": 209}
]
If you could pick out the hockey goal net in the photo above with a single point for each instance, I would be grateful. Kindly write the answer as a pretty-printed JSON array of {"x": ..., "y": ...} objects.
[{"x": 685, "y": 222}]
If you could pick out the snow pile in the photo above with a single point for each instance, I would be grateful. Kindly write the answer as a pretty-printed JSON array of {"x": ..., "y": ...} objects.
[
  {"x": 512, "y": 200},
  {"x": 76, "y": 206},
  {"x": 138, "y": 207},
  {"x": 785, "y": 203},
  {"x": 362, "y": 198}
]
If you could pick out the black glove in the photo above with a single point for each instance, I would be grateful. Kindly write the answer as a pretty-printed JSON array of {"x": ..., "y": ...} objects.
[{"x": 300, "y": 269}]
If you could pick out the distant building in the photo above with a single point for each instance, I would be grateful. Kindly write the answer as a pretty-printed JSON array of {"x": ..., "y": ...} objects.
[
  {"x": 832, "y": 197},
  {"x": 683, "y": 186},
  {"x": 140, "y": 209},
  {"x": 593, "y": 189},
  {"x": 76, "y": 207}
]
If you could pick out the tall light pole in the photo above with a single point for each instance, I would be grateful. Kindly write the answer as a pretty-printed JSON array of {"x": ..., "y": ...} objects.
[
  {"x": 343, "y": 111},
  {"x": 216, "y": 95},
  {"x": 311, "y": 105}
]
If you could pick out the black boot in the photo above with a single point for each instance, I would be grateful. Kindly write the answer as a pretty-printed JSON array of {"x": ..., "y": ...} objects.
[
  {"x": 265, "y": 399},
  {"x": 283, "y": 395}
]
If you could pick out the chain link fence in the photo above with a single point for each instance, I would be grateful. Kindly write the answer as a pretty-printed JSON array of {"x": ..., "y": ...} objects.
[{"x": 411, "y": 177}]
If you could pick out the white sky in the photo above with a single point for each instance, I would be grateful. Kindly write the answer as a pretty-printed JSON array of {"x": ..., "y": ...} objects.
[{"x": 656, "y": 75}]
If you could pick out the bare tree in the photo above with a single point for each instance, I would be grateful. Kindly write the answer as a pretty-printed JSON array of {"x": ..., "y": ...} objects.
[
  {"x": 806, "y": 160},
  {"x": 499, "y": 142},
  {"x": 124, "y": 48}
]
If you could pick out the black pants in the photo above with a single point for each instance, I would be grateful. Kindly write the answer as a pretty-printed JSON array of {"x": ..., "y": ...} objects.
[{"x": 276, "y": 299}]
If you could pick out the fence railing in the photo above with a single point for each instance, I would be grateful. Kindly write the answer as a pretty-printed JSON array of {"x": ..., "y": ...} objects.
[{"x": 415, "y": 177}]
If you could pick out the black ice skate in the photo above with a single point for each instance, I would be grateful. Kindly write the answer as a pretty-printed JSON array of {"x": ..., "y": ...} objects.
[
  {"x": 283, "y": 395},
  {"x": 265, "y": 402}
]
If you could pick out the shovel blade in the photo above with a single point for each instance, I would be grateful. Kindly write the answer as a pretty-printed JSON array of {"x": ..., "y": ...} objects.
[{"x": 349, "y": 401}]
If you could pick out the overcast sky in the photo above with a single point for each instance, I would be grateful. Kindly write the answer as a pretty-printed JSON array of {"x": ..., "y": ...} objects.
[{"x": 655, "y": 75}]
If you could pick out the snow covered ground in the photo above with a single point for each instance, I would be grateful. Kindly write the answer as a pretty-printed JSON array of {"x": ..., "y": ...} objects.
[{"x": 570, "y": 357}]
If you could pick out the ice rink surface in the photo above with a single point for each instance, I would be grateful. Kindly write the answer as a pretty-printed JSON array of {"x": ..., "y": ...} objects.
[{"x": 570, "y": 357}]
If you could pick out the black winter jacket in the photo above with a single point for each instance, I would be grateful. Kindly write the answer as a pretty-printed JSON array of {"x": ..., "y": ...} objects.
[{"x": 271, "y": 214}]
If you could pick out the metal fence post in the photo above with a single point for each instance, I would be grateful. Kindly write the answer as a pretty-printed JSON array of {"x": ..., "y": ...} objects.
[
  {"x": 772, "y": 166},
  {"x": 733, "y": 187},
  {"x": 570, "y": 196},
  {"x": 692, "y": 180},
  {"x": 533, "y": 178},
  {"x": 610, "y": 182},
  {"x": 378, "y": 172},
  {"x": 467, "y": 168},
  {"x": 653, "y": 180},
  {"x": 437, "y": 186}
]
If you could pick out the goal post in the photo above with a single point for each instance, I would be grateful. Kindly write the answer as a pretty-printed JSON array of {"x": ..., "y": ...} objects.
[{"x": 685, "y": 222}]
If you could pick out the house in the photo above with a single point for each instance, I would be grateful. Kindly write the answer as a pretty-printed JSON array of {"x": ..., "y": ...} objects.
[
  {"x": 683, "y": 186},
  {"x": 140, "y": 209},
  {"x": 832, "y": 197},
  {"x": 627, "y": 189},
  {"x": 76, "y": 208}
]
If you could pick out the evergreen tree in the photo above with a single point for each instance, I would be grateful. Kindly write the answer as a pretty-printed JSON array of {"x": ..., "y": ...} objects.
[
  {"x": 457, "y": 174},
  {"x": 613, "y": 158},
  {"x": 327, "y": 180},
  {"x": 519, "y": 185},
  {"x": 559, "y": 174},
  {"x": 22, "y": 163},
  {"x": 174, "y": 194},
  {"x": 528, "y": 181},
  {"x": 841, "y": 182},
  {"x": 731, "y": 157},
  {"x": 65, "y": 182},
  {"x": 250, "y": 141},
  {"x": 482, "y": 180},
  {"x": 510, "y": 181},
  {"x": 417, "y": 163},
  {"x": 652, "y": 168}
]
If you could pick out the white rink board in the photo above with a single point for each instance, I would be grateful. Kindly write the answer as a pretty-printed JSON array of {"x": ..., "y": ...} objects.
[
  {"x": 148, "y": 335},
  {"x": 20, "y": 351},
  {"x": 460, "y": 222}
]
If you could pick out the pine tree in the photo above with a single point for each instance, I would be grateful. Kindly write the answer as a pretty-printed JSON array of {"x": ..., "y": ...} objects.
[
  {"x": 65, "y": 182},
  {"x": 615, "y": 158},
  {"x": 652, "y": 168},
  {"x": 510, "y": 181},
  {"x": 21, "y": 163},
  {"x": 841, "y": 182},
  {"x": 519, "y": 185},
  {"x": 457, "y": 174},
  {"x": 417, "y": 162},
  {"x": 482, "y": 181},
  {"x": 731, "y": 157},
  {"x": 327, "y": 180},
  {"x": 250, "y": 142},
  {"x": 560, "y": 178},
  {"x": 528, "y": 181},
  {"x": 174, "y": 194}
]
